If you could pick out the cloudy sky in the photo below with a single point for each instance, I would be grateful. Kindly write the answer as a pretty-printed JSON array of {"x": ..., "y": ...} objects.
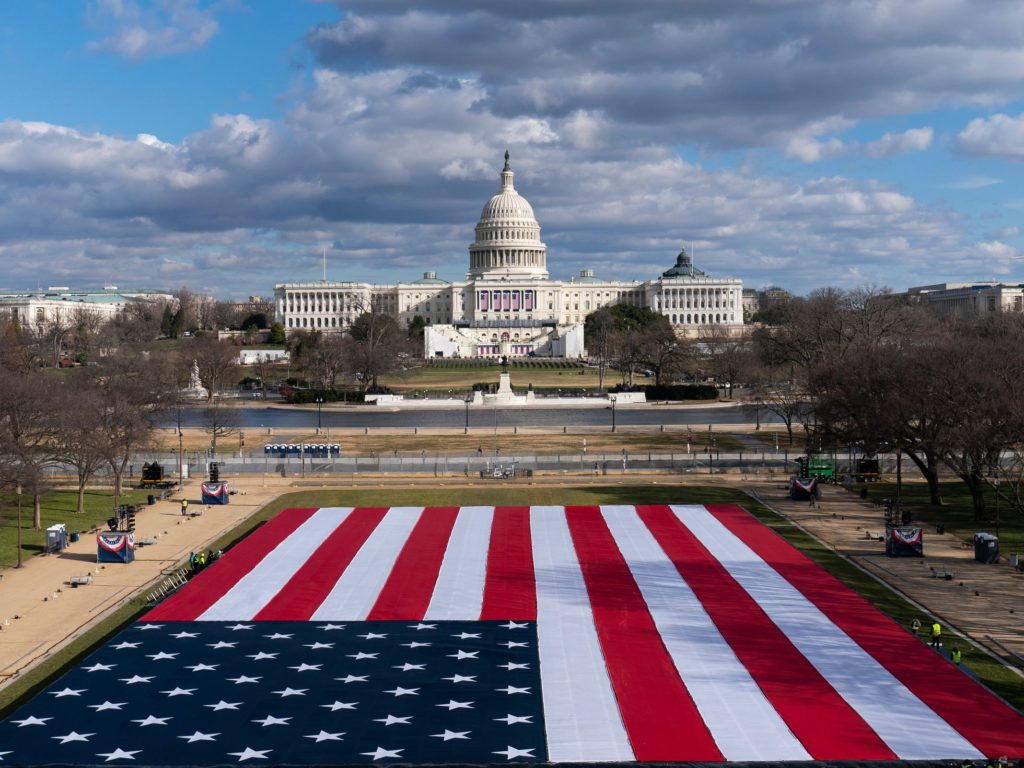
[{"x": 225, "y": 144}]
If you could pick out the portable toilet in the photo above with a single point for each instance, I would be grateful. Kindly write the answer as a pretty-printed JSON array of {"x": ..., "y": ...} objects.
[{"x": 56, "y": 537}]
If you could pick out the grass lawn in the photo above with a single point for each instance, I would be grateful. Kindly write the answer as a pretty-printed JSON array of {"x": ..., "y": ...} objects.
[
  {"x": 956, "y": 513},
  {"x": 998, "y": 678},
  {"x": 57, "y": 507}
]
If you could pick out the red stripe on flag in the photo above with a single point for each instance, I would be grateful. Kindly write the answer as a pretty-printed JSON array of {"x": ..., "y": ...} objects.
[
  {"x": 660, "y": 717},
  {"x": 315, "y": 578},
  {"x": 212, "y": 584},
  {"x": 406, "y": 593},
  {"x": 510, "y": 589},
  {"x": 820, "y": 718},
  {"x": 988, "y": 723}
]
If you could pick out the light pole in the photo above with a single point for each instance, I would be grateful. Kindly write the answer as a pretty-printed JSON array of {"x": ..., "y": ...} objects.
[
  {"x": 997, "y": 507},
  {"x": 319, "y": 405},
  {"x": 468, "y": 401},
  {"x": 18, "y": 492},
  {"x": 613, "y": 415}
]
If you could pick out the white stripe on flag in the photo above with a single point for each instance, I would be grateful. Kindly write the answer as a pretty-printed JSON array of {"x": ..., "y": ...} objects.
[
  {"x": 253, "y": 591},
  {"x": 908, "y": 726},
  {"x": 358, "y": 588},
  {"x": 459, "y": 590},
  {"x": 581, "y": 715},
  {"x": 743, "y": 723}
]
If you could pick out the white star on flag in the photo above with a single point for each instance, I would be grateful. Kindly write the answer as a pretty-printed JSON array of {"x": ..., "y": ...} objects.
[
  {"x": 317, "y": 646},
  {"x": 184, "y": 634},
  {"x": 307, "y": 667},
  {"x": 414, "y": 644},
  {"x": 325, "y": 736},
  {"x": 203, "y": 667},
  {"x": 468, "y": 636},
  {"x": 271, "y": 720},
  {"x": 400, "y": 691},
  {"x": 407, "y": 667},
  {"x": 340, "y": 705},
  {"x": 67, "y": 692},
  {"x": 125, "y": 644},
  {"x": 244, "y": 679},
  {"x": 515, "y": 625},
  {"x": 382, "y": 753},
  {"x": 222, "y": 644},
  {"x": 119, "y": 754},
  {"x": 421, "y": 625},
  {"x": 372, "y": 636},
  {"x": 291, "y": 692},
  {"x": 511, "y": 752},
  {"x": 152, "y": 720},
  {"x": 108, "y": 705},
  {"x": 73, "y": 736},
  {"x": 261, "y": 655},
  {"x": 180, "y": 691},
  {"x": 353, "y": 678},
  {"x": 278, "y": 636},
  {"x": 461, "y": 678},
  {"x": 135, "y": 679},
  {"x": 510, "y": 689},
  {"x": 160, "y": 655},
  {"x": 199, "y": 736},
  {"x": 460, "y": 655},
  {"x": 97, "y": 667},
  {"x": 449, "y": 735},
  {"x": 512, "y": 665},
  {"x": 223, "y": 705},
  {"x": 328, "y": 627},
  {"x": 392, "y": 720},
  {"x": 360, "y": 656},
  {"x": 144, "y": 627},
  {"x": 249, "y": 753},
  {"x": 511, "y": 644},
  {"x": 4, "y": 753},
  {"x": 236, "y": 627},
  {"x": 513, "y": 719},
  {"x": 452, "y": 704}
]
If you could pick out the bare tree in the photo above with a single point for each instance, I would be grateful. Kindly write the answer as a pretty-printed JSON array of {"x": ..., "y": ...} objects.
[
  {"x": 374, "y": 347},
  {"x": 599, "y": 331},
  {"x": 27, "y": 432},
  {"x": 217, "y": 362},
  {"x": 220, "y": 421},
  {"x": 667, "y": 355},
  {"x": 78, "y": 408}
]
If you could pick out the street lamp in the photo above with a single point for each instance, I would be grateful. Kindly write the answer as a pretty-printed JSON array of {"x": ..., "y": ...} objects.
[
  {"x": 18, "y": 492},
  {"x": 613, "y": 414},
  {"x": 468, "y": 401},
  {"x": 319, "y": 405}
]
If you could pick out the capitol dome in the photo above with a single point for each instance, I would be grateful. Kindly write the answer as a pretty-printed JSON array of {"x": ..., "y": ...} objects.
[{"x": 508, "y": 241}]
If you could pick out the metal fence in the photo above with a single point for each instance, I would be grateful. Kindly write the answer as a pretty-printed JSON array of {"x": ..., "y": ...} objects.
[{"x": 491, "y": 463}]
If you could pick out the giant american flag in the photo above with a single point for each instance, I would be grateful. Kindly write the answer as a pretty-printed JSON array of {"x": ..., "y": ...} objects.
[{"x": 511, "y": 634}]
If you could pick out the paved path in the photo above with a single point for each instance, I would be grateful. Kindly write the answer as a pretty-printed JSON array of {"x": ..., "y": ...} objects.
[
  {"x": 52, "y": 613},
  {"x": 982, "y": 601},
  {"x": 39, "y": 610}
]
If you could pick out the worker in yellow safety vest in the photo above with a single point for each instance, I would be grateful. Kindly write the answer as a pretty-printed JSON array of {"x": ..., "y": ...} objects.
[
  {"x": 184, "y": 506},
  {"x": 955, "y": 655},
  {"x": 936, "y": 634}
]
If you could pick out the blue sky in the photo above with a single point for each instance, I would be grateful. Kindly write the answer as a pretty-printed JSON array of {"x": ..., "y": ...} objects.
[{"x": 222, "y": 145}]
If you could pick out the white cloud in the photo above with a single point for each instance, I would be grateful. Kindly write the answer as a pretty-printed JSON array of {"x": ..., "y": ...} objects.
[
  {"x": 913, "y": 140},
  {"x": 808, "y": 149},
  {"x": 999, "y": 136},
  {"x": 137, "y": 32}
]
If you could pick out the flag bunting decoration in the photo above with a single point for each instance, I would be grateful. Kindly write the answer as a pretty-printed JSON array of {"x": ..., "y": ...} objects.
[
  {"x": 483, "y": 635},
  {"x": 115, "y": 547},
  {"x": 215, "y": 493}
]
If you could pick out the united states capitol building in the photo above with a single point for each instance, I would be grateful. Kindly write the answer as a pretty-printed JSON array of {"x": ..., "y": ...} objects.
[{"x": 508, "y": 304}]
